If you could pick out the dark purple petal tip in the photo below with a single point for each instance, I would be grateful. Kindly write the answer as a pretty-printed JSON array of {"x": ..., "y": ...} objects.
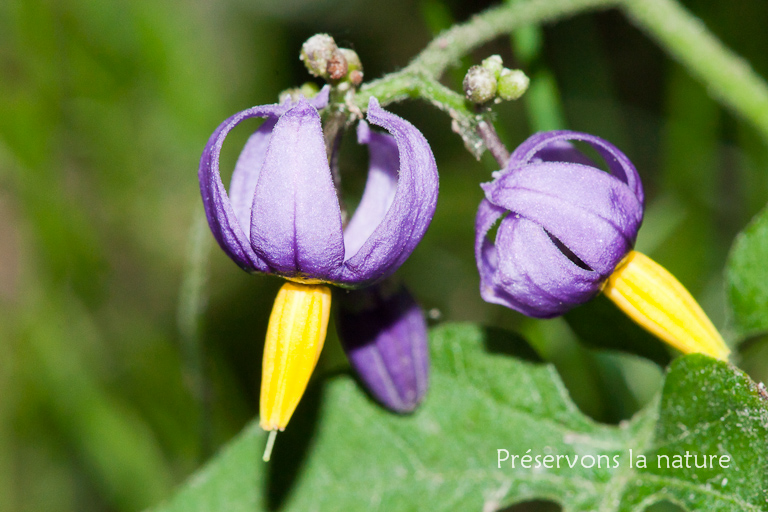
[
  {"x": 564, "y": 224},
  {"x": 384, "y": 335}
]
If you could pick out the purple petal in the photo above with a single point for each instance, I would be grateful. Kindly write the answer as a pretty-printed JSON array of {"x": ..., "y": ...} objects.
[
  {"x": 411, "y": 211},
  {"x": 528, "y": 273},
  {"x": 592, "y": 213},
  {"x": 295, "y": 220},
  {"x": 379, "y": 190},
  {"x": 548, "y": 146},
  {"x": 533, "y": 273},
  {"x": 320, "y": 100},
  {"x": 485, "y": 251},
  {"x": 218, "y": 208},
  {"x": 561, "y": 151},
  {"x": 384, "y": 334},
  {"x": 246, "y": 174}
]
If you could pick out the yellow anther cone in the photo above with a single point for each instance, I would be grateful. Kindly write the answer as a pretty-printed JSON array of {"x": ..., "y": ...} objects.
[
  {"x": 653, "y": 298},
  {"x": 295, "y": 337}
]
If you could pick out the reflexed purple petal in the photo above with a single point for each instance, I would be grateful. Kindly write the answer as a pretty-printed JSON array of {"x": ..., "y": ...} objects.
[
  {"x": 218, "y": 208},
  {"x": 296, "y": 221},
  {"x": 536, "y": 274},
  {"x": 545, "y": 145},
  {"x": 561, "y": 151},
  {"x": 411, "y": 211},
  {"x": 530, "y": 275},
  {"x": 485, "y": 251},
  {"x": 595, "y": 215},
  {"x": 384, "y": 334},
  {"x": 320, "y": 100},
  {"x": 379, "y": 190},
  {"x": 246, "y": 174}
]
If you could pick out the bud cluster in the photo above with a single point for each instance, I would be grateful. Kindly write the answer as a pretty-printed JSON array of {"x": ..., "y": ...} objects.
[
  {"x": 324, "y": 59},
  {"x": 492, "y": 81}
]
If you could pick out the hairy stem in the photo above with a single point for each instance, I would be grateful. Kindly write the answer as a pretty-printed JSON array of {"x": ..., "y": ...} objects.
[
  {"x": 493, "y": 143},
  {"x": 677, "y": 31},
  {"x": 447, "y": 48},
  {"x": 419, "y": 78},
  {"x": 189, "y": 315}
]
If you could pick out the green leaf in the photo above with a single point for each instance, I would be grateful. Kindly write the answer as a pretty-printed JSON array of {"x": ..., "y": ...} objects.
[
  {"x": 345, "y": 453},
  {"x": 747, "y": 278}
]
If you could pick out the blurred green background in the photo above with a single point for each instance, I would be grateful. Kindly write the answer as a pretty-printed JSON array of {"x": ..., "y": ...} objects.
[{"x": 115, "y": 384}]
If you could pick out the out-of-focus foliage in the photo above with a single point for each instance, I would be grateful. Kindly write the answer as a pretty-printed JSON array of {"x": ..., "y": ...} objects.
[
  {"x": 748, "y": 278},
  {"x": 105, "y": 404}
]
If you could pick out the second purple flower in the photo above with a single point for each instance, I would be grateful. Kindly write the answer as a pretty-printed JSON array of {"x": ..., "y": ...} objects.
[{"x": 568, "y": 224}]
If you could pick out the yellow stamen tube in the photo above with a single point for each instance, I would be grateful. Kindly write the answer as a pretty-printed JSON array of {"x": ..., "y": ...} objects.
[
  {"x": 653, "y": 298},
  {"x": 295, "y": 336}
]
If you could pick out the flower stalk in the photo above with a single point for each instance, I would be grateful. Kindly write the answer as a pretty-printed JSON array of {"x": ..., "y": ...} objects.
[{"x": 677, "y": 31}]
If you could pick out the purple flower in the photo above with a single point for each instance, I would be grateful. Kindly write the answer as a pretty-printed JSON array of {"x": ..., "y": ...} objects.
[
  {"x": 565, "y": 224},
  {"x": 384, "y": 334},
  {"x": 282, "y": 214}
]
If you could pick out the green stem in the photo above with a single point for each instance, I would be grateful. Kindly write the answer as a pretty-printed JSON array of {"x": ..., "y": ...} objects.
[
  {"x": 451, "y": 45},
  {"x": 189, "y": 318},
  {"x": 678, "y": 32},
  {"x": 419, "y": 78},
  {"x": 726, "y": 75}
]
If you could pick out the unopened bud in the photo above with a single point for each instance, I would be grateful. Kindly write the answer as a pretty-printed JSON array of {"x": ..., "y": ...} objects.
[
  {"x": 479, "y": 84},
  {"x": 512, "y": 84},
  {"x": 317, "y": 52},
  {"x": 494, "y": 64},
  {"x": 353, "y": 60},
  {"x": 384, "y": 335},
  {"x": 354, "y": 66}
]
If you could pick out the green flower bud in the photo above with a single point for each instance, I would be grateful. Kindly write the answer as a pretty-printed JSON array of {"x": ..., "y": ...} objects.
[
  {"x": 353, "y": 61},
  {"x": 512, "y": 84},
  {"x": 479, "y": 84},
  {"x": 494, "y": 64},
  {"x": 354, "y": 66}
]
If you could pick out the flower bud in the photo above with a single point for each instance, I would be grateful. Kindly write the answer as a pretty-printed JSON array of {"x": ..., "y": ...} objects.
[
  {"x": 384, "y": 334},
  {"x": 494, "y": 64},
  {"x": 317, "y": 52},
  {"x": 479, "y": 84},
  {"x": 512, "y": 84},
  {"x": 354, "y": 66}
]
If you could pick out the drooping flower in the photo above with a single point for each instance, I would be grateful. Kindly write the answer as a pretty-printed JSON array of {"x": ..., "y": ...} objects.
[
  {"x": 567, "y": 231},
  {"x": 281, "y": 216},
  {"x": 384, "y": 334}
]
